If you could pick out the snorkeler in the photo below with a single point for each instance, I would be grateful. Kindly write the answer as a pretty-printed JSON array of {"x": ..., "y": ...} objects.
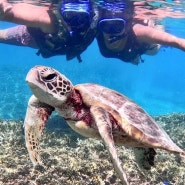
[
  {"x": 62, "y": 30},
  {"x": 121, "y": 36},
  {"x": 118, "y": 32}
]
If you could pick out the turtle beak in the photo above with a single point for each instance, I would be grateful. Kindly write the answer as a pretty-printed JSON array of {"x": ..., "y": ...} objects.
[{"x": 33, "y": 77}]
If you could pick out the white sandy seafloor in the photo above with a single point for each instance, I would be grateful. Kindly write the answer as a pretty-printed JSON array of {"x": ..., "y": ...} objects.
[{"x": 73, "y": 160}]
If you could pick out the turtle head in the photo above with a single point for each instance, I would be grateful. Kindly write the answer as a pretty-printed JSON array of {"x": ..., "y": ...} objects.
[{"x": 48, "y": 85}]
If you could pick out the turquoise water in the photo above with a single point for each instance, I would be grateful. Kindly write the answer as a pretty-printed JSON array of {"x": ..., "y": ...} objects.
[{"x": 158, "y": 84}]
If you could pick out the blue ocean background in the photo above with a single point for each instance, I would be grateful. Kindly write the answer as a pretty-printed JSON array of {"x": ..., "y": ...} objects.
[{"x": 158, "y": 84}]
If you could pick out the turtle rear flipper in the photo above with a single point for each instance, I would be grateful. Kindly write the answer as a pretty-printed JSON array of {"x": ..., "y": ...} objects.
[
  {"x": 36, "y": 116},
  {"x": 104, "y": 125},
  {"x": 145, "y": 157}
]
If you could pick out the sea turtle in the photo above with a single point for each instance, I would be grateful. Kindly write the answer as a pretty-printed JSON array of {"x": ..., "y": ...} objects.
[{"x": 92, "y": 111}]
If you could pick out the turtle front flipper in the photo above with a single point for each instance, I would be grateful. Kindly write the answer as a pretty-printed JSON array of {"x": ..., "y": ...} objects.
[
  {"x": 104, "y": 125},
  {"x": 36, "y": 116}
]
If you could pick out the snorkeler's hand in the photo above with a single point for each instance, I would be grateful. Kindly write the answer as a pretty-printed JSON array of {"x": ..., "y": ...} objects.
[{"x": 5, "y": 10}]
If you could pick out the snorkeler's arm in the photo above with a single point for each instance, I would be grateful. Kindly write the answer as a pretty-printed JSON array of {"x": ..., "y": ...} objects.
[
  {"x": 153, "y": 36},
  {"x": 27, "y": 14}
]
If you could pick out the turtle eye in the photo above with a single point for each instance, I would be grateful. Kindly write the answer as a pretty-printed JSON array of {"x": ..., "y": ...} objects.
[
  {"x": 48, "y": 74},
  {"x": 49, "y": 77}
]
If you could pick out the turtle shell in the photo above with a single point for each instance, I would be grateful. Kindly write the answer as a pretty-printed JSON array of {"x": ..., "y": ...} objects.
[{"x": 131, "y": 118}]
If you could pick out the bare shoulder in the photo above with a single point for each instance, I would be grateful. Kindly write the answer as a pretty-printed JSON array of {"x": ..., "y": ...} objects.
[
  {"x": 142, "y": 30},
  {"x": 149, "y": 34}
]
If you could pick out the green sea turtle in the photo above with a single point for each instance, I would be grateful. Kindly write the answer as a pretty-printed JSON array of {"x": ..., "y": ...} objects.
[{"x": 92, "y": 111}]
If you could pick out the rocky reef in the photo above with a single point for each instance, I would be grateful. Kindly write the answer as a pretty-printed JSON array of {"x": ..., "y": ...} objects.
[{"x": 70, "y": 159}]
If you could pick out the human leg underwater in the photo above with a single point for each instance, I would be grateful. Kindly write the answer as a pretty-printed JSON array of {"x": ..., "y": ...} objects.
[{"x": 17, "y": 35}]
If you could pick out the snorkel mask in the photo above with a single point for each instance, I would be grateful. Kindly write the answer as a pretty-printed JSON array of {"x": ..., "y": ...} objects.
[
  {"x": 115, "y": 18},
  {"x": 76, "y": 14},
  {"x": 112, "y": 26}
]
